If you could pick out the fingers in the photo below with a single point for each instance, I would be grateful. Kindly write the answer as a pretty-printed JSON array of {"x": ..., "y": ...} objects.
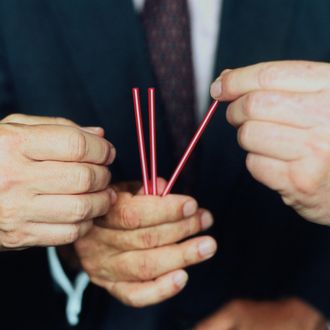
[
  {"x": 291, "y": 109},
  {"x": 63, "y": 143},
  {"x": 41, "y": 234},
  {"x": 150, "y": 264},
  {"x": 132, "y": 212},
  {"x": 69, "y": 208},
  {"x": 271, "y": 172},
  {"x": 63, "y": 178},
  {"x": 272, "y": 140},
  {"x": 143, "y": 294},
  {"x": 295, "y": 76},
  {"x": 152, "y": 237}
]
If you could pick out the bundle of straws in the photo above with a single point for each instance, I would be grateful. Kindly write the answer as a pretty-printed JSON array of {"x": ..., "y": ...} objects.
[{"x": 150, "y": 186}]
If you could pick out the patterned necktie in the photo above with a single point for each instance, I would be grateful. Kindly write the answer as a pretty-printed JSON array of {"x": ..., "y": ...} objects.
[{"x": 167, "y": 29}]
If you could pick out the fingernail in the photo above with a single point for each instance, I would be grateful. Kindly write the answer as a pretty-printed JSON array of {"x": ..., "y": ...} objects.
[
  {"x": 206, "y": 220},
  {"x": 189, "y": 208},
  {"x": 216, "y": 89},
  {"x": 112, "y": 155},
  {"x": 92, "y": 129},
  {"x": 180, "y": 279},
  {"x": 207, "y": 248},
  {"x": 113, "y": 196}
]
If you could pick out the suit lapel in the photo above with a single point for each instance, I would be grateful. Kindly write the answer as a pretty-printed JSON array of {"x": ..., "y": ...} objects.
[{"x": 107, "y": 47}]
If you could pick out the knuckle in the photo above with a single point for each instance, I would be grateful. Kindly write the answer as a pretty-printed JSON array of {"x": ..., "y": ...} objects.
[
  {"x": 128, "y": 220},
  {"x": 86, "y": 178},
  {"x": 101, "y": 177},
  {"x": 7, "y": 180},
  {"x": 250, "y": 104},
  {"x": 106, "y": 150},
  {"x": 78, "y": 146},
  {"x": 267, "y": 74},
  {"x": 145, "y": 269},
  {"x": 123, "y": 266},
  {"x": 133, "y": 299},
  {"x": 72, "y": 235},
  {"x": 13, "y": 239},
  {"x": 9, "y": 138},
  {"x": 305, "y": 184},
  {"x": 320, "y": 147},
  {"x": 64, "y": 121},
  {"x": 82, "y": 208},
  {"x": 8, "y": 214},
  {"x": 149, "y": 239},
  {"x": 14, "y": 117},
  {"x": 227, "y": 81},
  {"x": 243, "y": 134}
]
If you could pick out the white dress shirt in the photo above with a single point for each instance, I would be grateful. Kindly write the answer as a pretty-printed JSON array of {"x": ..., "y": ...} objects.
[{"x": 205, "y": 25}]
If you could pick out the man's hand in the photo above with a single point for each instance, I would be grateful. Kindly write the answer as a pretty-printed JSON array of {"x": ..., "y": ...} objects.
[
  {"x": 282, "y": 112},
  {"x": 133, "y": 253},
  {"x": 290, "y": 314},
  {"x": 53, "y": 180}
]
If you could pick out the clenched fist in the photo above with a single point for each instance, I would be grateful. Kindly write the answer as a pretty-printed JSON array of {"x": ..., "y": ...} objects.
[
  {"x": 282, "y": 113},
  {"x": 53, "y": 180}
]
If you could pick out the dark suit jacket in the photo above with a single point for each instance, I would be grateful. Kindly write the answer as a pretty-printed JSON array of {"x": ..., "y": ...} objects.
[{"x": 79, "y": 59}]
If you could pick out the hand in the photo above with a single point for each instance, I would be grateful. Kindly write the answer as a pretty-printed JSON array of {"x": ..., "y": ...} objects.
[
  {"x": 282, "y": 112},
  {"x": 54, "y": 179},
  {"x": 291, "y": 314},
  {"x": 134, "y": 255}
]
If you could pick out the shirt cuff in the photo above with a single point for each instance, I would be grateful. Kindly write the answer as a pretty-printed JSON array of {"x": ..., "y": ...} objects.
[{"x": 74, "y": 291}]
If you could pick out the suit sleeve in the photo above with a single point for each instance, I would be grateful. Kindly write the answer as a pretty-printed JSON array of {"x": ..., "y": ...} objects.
[{"x": 7, "y": 104}]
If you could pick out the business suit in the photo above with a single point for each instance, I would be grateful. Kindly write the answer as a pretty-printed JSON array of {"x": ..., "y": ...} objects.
[{"x": 80, "y": 62}]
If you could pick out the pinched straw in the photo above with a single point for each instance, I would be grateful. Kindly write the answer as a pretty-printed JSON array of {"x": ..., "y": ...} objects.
[
  {"x": 140, "y": 138},
  {"x": 152, "y": 135},
  {"x": 192, "y": 145}
]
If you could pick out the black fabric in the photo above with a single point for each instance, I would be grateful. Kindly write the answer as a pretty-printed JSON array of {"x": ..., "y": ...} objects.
[{"x": 80, "y": 60}]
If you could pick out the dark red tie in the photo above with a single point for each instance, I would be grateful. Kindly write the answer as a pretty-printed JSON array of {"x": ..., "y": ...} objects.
[{"x": 167, "y": 28}]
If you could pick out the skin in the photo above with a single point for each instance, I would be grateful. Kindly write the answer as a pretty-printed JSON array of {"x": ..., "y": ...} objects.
[
  {"x": 54, "y": 180},
  {"x": 133, "y": 252},
  {"x": 131, "y": 249},
  {"x": 290, "y": 314},
  {"x": 282, "y": 113}
]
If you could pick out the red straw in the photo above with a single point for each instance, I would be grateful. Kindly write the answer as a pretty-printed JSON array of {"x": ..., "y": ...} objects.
[
  {"x": 140, "y": 137},
  {"x": 191, "y": 147},
  {"x": 152, "y": 137}
]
